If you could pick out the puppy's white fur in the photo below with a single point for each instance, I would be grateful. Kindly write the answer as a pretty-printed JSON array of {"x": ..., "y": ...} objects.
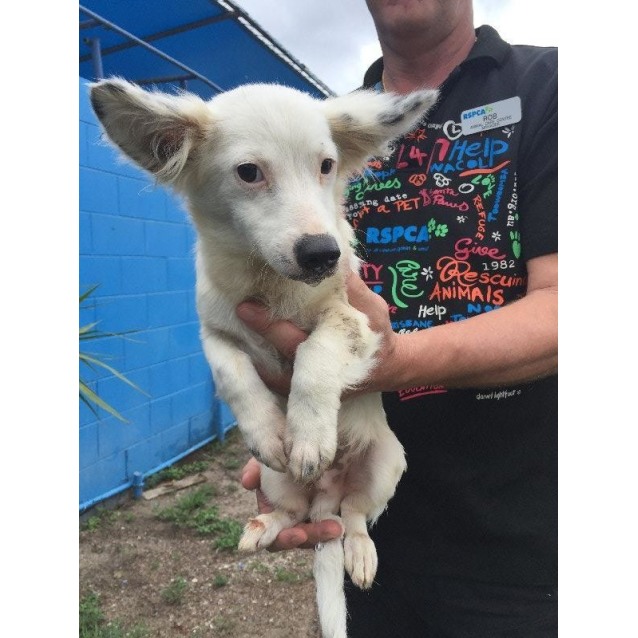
[{"x": 320, "y": 457}]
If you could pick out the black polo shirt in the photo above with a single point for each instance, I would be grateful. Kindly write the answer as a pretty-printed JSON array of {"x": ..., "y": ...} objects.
[{"x": 445, "y": 226}]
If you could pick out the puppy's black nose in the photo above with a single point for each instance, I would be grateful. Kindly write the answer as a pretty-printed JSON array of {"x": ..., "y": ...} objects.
[{"x": 317, "y": 255}]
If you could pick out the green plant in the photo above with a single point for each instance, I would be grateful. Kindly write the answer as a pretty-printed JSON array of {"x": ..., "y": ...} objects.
[
  {"x": 100, "y": 518},
  {"x": 93, "y": 623},
  {"x": 228, "y": 532},
  {"x": 187, "y": 506},
  {"x": 220, "y": 581},
  {"x": 174, "y": 593},
  {"x": 89, "y": 332},
  {"x": 284, "y": 576},
  {"x": 194, "y": 512},
  {"x": 91, "y": 616}
]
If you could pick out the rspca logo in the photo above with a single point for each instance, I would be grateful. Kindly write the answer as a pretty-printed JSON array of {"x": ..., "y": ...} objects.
[
  {"x": 483, "y": 110},
  {"x": 394, "y": 235}
]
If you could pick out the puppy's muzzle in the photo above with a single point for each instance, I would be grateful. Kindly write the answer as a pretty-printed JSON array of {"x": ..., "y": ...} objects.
[{"x": 317, "y": 256}]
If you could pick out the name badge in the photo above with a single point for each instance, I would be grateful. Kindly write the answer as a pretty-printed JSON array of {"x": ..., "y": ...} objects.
[{"x": 489, "y": 116}]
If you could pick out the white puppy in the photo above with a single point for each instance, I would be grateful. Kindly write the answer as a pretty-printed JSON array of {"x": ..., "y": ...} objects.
[{"x": 263, "y": 169}]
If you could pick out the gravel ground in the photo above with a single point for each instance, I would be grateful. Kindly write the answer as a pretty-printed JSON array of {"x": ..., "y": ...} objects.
[{"x": 166, "y": 567}]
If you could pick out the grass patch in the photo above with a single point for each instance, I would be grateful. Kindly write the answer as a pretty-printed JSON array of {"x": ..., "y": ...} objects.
[
  {"x": 174, "y": 593},
  {"x": 93, "y": 623},
  {"x": 101, "y": 518},
  {"x": 175, "y": 473},
  {"x": 91, "y": 616},
  {"x": 193, "y": 511},
  {"x": 232, "y": 463},
  {"x": 220, "y": 581},
  {"x": 286, "y": 576}
]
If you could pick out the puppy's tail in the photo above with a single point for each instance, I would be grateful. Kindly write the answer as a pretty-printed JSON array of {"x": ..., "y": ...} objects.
[{"x": 331, "y": 600}]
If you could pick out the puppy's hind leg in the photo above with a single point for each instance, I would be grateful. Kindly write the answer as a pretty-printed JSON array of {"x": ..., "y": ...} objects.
[
  {"x": 357, "y": 510},
  {"x": 261, "y": 531},
  {"x": 360, "y": 554},
  {"x": 290, "y": 501},
  {"x": 371, "y": 483}
]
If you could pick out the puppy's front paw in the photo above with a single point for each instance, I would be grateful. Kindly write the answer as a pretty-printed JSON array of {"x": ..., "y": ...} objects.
[
  {"x": 307, "y": 460},
  {"x": 267, "y": 446},
  {"x": 269, "y": 452},
  {"x": 360, "y": 556}
]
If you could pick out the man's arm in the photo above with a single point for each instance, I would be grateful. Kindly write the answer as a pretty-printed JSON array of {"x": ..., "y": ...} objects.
[{"x": 513, "y": 344}]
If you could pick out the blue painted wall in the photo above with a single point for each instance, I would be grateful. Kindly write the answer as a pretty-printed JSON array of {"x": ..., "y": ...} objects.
[{"x": 136, "y": 243}]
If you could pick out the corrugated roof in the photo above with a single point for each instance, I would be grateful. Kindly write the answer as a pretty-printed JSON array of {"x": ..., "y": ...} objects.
[{"x": 216, "y": 43}]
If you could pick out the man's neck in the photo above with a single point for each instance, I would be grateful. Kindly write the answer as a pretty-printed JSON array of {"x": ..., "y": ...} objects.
[{"x": 408, "y": 66}]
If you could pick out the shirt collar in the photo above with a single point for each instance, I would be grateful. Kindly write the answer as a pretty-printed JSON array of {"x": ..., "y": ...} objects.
[{"x": 489, "y": 45}]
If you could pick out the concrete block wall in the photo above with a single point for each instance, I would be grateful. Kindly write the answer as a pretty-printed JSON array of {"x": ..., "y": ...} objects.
[{"x": 136, "y": 244}]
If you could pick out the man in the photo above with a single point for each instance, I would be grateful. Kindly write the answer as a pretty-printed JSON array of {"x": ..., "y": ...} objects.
[{"x": 458, "y": 232}]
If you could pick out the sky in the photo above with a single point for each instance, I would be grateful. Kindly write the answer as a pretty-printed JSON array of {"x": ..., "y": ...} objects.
[{"x": 338, "y": 53}]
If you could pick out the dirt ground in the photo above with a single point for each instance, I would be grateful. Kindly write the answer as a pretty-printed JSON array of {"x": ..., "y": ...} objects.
[{"x": 155, "y": 577}]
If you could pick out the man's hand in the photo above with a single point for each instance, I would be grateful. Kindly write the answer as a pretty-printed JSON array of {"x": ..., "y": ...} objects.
[
  {"x": 303, "y": 535},
  {"x": 388, "y": 373}
]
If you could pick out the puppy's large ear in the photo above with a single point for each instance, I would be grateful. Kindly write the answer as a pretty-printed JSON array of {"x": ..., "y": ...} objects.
[
  {"x": 156, "y": 130},
  {"x": 364, "y": 122}
]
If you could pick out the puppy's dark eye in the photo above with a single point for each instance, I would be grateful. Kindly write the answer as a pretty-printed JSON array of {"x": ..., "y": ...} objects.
[
  {"x": 326, "y": 166},
  {"x": 250, "y": 173}
]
